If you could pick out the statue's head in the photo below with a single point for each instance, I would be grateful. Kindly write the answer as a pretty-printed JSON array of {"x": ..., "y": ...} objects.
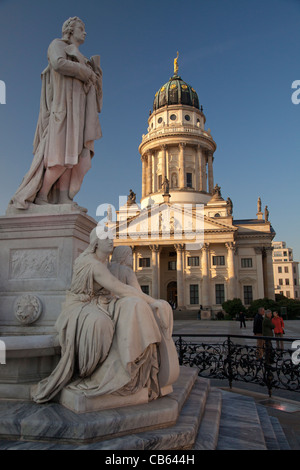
[
  {"x": 70, "y": 25},
  {"x": 101, "y": 240},
  {"x": 122, "y": 255}
]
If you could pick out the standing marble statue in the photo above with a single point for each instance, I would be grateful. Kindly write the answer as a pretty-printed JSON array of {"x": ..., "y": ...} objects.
[{"x": 68, "y": 122}]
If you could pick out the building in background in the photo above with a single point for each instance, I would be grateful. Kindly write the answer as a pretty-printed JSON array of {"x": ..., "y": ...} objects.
[
  {"x": 233, "y": 258},
  {"x": 286, "y": 271}
]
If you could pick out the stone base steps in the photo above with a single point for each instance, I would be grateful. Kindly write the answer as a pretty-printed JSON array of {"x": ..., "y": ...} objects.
[{"x": 208, "y": 419}]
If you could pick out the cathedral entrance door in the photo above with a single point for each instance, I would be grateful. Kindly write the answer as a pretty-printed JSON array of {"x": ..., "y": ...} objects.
[{"x": 172, "y": 293}]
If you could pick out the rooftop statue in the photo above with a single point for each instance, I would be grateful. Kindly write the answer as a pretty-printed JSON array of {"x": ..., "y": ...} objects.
[
  {"x": 176, "y": 64},
  {"x": 68, "y": 122}
]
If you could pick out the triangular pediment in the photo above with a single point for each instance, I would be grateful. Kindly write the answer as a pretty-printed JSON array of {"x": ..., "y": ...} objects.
[{"x": 174, "y": 221}]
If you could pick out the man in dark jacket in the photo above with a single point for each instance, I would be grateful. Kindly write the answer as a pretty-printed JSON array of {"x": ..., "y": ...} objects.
[
  {"x": 267, "y": 330},
  {"x": 257, "y": 330}
]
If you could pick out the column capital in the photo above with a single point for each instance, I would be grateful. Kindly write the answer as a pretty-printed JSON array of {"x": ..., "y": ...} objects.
[
  {"x": 154, "y": 248},
  {"x": 163, "y": 146},
  {"x": 205, "y": 247},
  {"x": 182, "y": 144},
  {"x": 179, "y": 247},
  {"x": 258, "y": 250},
  {"x": 231, "y": 246},
  {"x": 146, "y": 156}
]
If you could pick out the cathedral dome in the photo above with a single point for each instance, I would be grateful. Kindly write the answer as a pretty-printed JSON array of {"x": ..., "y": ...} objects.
[{"x": 175, "y": 91}]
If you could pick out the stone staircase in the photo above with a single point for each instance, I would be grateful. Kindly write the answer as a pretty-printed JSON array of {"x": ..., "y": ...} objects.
[{"x": 195, "y": 416}]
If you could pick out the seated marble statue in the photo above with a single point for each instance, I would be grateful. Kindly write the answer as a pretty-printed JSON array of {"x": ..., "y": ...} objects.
[
  {"x": 108, "y": 334},
  {"x": 121, "y": 267}
]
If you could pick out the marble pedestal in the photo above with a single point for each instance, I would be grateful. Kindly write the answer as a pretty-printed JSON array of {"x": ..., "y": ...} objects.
[
  {"x": 37, "y": 251},
  {"x": 169, "y": 422},
  {"x": 205, "y": 314}
]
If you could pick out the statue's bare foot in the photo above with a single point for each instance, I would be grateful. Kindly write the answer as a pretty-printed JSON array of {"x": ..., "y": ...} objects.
[
  {"x": 65, "y": 199},
  {"x": 40, "y": 201}
]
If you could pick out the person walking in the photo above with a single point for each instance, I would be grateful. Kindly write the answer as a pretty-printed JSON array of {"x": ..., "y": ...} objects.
[
  {"x": 257, "y": 331},
  {"x": 242, "y": 319},
  {"x": 278, "y": 330},
  {"x": 267, "y": 330}
]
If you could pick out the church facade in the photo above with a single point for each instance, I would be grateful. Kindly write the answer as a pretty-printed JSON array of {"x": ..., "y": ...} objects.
[{"x": 187, "y": 247}]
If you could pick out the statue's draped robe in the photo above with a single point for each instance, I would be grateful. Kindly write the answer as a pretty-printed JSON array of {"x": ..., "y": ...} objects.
[
  {"x": 108, "y": 344},
  {"x": 68, "y": 122}
]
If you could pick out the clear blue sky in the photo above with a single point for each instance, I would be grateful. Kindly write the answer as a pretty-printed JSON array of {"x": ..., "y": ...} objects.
[{"x": 241, "y": 56}]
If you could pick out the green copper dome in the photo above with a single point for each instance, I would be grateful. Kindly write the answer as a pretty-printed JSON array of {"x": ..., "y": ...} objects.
[{"x": 175, "y": 91}]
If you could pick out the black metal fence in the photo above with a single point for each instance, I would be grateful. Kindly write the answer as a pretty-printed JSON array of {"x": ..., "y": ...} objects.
[{"x": 255, "y": 360}]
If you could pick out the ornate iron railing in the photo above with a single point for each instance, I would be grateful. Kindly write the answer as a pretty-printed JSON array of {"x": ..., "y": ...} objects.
[{"x": 245, "y": 361}]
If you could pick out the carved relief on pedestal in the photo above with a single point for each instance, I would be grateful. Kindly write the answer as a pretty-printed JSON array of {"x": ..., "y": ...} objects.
[
  {"x": 35, "y": 263},
  {"x": 28, "y": 309}
]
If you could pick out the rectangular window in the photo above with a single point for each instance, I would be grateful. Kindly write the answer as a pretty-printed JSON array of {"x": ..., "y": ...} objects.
[
  {"x": 193, "y": 261},
  {"x": 279, "y": 269},
  {"x": 194, "y": 294},
  {"x": 144, "y": 262},
  {"x": 248, "y": 295},
  {"x": 172, "y": 265},
  {"x": 280, "y": 282},
  {"x": 219, "y": 260},
  {"x": 220, "y": 294},
  {"x": 246, "y": 262},
  {"x": 189, "y": 180},
  {"x": 295, "y": 281},
  {"x": 145, "y": 289},
  {"x": 288, "y": 294},
  {"x": 286, "y": 269},
  {"x": 287, "y": 282},
  {"x": 159, "y": 182}
]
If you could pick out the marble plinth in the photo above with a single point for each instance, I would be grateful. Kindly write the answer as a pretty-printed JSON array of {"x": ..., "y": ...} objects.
[
  {"x": 37, "y": 252},
  {"x": 53, "y": 422},
  {"x": 79, "y": 403},
  {"x": 205, "y": 315},
  {"x": 28, "y": 359}
]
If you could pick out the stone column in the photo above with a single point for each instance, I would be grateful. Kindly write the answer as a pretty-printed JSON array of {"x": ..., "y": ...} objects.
[
  {"x": 180, "y": 275},
  {"x": 149, "y": 173},
  {"x": 144, "y": 189},
  {"x": 154, "y": 166},
  {"x": 205, "y": 276},
  {"x": 259, "y": 273},
  {"x": 155, "y": 270},
  {"x": 181, "y": 166},
  {"x": 202, "y": 164},
  {"x": 231, "y": 270},
  {"x": 268, "y": 273},
  {"x": 134, "y": 258},
  {"x": 210, "y": 172},
  {"x": 163, "y": 163},
  {"x": 197, "y": 168}
]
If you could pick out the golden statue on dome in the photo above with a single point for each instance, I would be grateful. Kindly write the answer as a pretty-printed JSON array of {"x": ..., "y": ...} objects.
[{"x": 176, "y": 64}]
